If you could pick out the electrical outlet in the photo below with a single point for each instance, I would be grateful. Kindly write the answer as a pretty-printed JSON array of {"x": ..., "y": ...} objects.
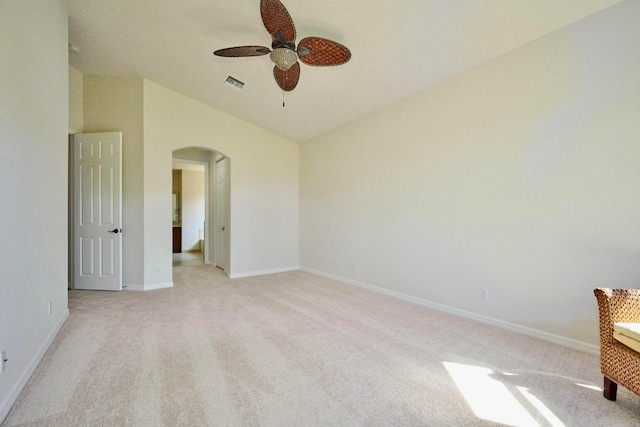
[
  {"x": 3, "y": 361},
  {"x": 158, "y": 268},
  {"x": 50, "y": 308},
  {"x": 337, "y": 263},
  {"x": 354, "y": 267},
  {"x": 484, "y": 293}
]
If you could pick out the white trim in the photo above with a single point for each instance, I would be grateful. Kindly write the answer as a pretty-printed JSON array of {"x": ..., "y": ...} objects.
[
  {"x": 12, "y": 396},
  {"x": 206, "y": 254},
  {"x": 524, "y": 330},
  {"x": 262, "y": 272},
  {"x": 147, "y": 287}
]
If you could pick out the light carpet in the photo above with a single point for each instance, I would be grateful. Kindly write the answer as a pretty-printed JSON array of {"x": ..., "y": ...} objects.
[{"x": 295, "y": 349}]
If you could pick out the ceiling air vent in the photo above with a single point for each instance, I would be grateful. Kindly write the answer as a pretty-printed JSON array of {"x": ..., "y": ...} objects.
[{"x": 232, "y": 81}]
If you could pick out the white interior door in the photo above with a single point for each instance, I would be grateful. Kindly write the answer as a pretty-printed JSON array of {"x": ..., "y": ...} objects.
[
  {"x": 97, "y": 211},
  {"x": 221, "y": 214}
]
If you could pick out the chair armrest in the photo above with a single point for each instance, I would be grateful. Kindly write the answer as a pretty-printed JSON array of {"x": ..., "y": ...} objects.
[{"x": 616, "y": 305}]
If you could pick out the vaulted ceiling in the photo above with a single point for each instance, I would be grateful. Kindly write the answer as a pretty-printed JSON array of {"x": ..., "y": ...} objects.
[{"x": 398, "y": 48}]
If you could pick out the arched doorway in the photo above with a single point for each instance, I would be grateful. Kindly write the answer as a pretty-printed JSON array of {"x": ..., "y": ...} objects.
[{"x": 210, "y": 236}]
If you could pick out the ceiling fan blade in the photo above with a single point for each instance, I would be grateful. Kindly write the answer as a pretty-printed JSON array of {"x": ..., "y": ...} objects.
[
  {"x": 287, "y": 80},
  {"x": 276, "y": 17},
  {"x": 235, "y": 52},
  {"x": 323, "y": 52}
]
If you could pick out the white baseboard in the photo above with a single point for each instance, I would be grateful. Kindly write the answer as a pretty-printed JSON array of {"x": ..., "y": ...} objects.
[
  {"x": 8, "y": 401},
  {"x": 535, "y": 333},
  {"x": 262, "y": 272},
  {"x": 151, "y": 287}
]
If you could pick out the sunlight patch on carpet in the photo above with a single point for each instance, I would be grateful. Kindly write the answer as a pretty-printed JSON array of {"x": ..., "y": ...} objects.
[
  {"x": 541, "y": 407},
  {"x": 589, "y": 386},
  {"x": 488, "y": 398}
]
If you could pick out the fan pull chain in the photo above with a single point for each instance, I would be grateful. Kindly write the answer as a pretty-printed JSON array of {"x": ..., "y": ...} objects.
[{"x": 285, "y": 85}]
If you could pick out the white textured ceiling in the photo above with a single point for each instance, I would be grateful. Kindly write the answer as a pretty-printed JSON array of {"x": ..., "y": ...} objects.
[{"x": 398, "y": 48}]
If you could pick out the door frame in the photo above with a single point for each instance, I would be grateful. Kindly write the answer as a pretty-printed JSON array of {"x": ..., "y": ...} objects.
[
  {"x": 70, "y": 188},
  {"x": 227, "y": 213},
  {"x": 207, "y": 215},
  {"x": 210, "y": 188}
]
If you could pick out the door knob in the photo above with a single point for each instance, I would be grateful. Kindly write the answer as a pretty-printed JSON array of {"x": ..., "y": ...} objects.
[{"x": 115, "y": 230}]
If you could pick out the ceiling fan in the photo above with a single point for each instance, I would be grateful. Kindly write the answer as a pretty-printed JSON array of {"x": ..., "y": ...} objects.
[{"x": 315, "y": 51}]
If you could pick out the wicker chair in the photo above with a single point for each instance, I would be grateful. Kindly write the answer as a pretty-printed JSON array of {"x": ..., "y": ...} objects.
[{"x": 618, "y": 363}]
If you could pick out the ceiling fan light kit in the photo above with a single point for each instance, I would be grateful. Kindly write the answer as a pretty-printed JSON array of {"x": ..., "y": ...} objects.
[
  {"x": 283, "y": 57},
  {"x": 314, "y": 51}
]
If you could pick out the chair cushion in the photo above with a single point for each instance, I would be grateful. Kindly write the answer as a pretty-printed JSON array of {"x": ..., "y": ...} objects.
[{"x": 628, "y": 334}]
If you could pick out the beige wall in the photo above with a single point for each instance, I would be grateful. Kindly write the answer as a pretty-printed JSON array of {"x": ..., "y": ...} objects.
[
  {"x": 76, "y": 82},
  {"x": 520, "y": 176},
  {"x": 34, "y": 118},
  {"x": 264, "y": 168},
  {"x": 264, "y": 176},
  {"x": 192, "y": 208},
  {"x": 176, "y": 180},
  {"x": 115, "y": 104}
]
